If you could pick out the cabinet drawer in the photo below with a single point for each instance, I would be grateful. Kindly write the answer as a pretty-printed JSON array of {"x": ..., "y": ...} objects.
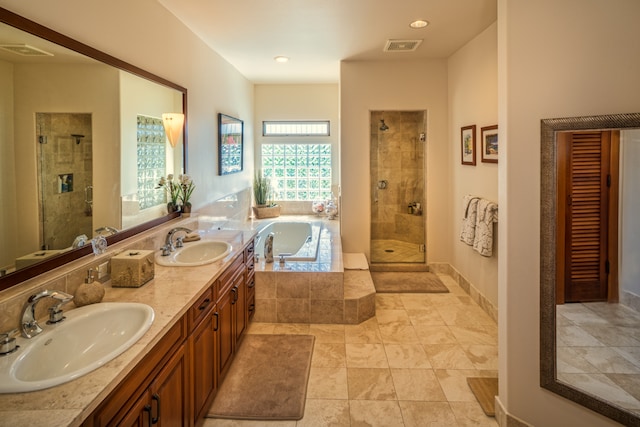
[
  {"x": 249, "y": 252},
  {"x": 201, "y": 308},
  {"x": 227, "y": 278}
]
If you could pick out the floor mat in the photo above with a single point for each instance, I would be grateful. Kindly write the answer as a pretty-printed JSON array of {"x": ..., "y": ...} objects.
[
  {"x": 413, "y": 282},
  {"x": 267, "y": 379}
]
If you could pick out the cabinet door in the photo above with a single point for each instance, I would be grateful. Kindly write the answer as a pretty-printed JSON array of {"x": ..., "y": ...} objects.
[
  {"x": 240, "y": 307},
  {"x": 204, "y": 364},
  {"x": 225, "y": 338},
  {"x": 170, "y": 405},
  {"x": 139, "y": 415}
]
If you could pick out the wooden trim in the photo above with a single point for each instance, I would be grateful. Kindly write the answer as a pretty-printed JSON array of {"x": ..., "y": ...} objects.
[
  {"x": 563, "y": 139},
  {"x": 614, "y": 200}
]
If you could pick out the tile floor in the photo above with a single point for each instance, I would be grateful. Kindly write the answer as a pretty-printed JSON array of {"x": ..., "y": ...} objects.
[
  {"x": 598, "y": 346},
  {"x": 405, "y": 367}
]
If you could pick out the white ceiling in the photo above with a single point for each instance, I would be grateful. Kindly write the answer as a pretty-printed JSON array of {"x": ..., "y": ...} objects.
[{"x": 318, "y": 34}]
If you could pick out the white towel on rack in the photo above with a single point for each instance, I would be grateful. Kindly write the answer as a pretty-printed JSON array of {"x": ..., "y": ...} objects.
[
  {"x": 469, "y": 215},
  {"x": 486, "y": 217}
]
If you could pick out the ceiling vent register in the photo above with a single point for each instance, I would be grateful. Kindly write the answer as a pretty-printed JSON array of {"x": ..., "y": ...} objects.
[{"x": 401, "y": 45}]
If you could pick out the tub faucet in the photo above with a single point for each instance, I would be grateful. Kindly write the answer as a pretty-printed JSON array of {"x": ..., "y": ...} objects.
[
  {"x": 30, "y": 327},
  {"x": 169, "y": 241},
  {"x": 268, "y": 248}
]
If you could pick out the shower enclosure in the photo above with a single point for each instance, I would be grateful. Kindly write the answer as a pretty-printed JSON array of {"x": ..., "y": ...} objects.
[
  {"x": 65, "y": 178},
  {"x": 397, "y": 170}
]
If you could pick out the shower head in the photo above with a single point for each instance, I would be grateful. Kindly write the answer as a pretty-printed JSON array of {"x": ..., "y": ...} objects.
[
  {"x": 383, "y": 126},
  {"x": 77, "y": 137}
]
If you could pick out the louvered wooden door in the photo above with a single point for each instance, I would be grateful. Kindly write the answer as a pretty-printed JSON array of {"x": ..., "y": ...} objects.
[{"x": 585, "y": 214}]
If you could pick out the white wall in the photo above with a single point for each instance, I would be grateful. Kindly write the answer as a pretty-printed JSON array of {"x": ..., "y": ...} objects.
[
  {"x": 145, "y": 34},
  {"x": 409, "y": 85},
  {"x": 473, "y": 99},
  {"x": 299, "y": 102},
  {"x": 557, "y": 58},
  {"x": 630, "y": 211}
]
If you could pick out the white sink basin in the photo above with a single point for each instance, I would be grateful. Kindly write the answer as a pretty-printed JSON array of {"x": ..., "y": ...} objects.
[
  {"x": 196, "y": 253},
  {"x": 89, "y": 337}
]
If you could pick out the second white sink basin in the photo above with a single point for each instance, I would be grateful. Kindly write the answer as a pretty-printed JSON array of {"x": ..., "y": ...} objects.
[
  {"x": 89, "y": 337},
  {"x": 196, "y": 253}
]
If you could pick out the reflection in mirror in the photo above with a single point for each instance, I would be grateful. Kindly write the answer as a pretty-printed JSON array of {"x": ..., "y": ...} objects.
[
  {"x": 76, "y": 161},
  {"x": 590, "y": 241}
]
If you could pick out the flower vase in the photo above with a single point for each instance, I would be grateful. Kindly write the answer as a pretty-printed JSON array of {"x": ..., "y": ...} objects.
[{"x": 186, "y": 210}]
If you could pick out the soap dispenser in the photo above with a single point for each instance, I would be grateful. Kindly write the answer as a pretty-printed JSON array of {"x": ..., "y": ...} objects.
[{"x": 89, "y": 292}]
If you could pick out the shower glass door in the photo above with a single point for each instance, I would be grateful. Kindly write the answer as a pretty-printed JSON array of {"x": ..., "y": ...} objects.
[
  {"x": 65, "y": 176},
  {"x": 397, "y": 168}
]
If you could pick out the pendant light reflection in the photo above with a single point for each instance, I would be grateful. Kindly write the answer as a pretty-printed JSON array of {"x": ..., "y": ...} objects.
[
  {"x": 173, "y": 124},
  {"x": 383, "y": 126}
]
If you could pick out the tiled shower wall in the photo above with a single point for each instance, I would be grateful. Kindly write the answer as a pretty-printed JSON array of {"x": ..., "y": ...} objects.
[{"x": 397, "y": 157}]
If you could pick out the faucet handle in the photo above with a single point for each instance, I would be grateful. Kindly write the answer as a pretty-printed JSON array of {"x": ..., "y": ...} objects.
[
  {"x": 8, "y": 342},
  {"x": 179, "y": 242},
  {"x": 282, "y": 256},
  {"x": 55, "y": 312}
]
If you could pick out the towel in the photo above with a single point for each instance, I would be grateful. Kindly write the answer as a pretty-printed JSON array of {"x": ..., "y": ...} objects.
[
  {"x": 469, "y": 216},
  {"x": 354, "y": 261},
  {"x": 486, "y": 217}
]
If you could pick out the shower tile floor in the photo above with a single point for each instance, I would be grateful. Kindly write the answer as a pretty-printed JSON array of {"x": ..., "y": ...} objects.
[
  {"x": 406, "y": 367},
  {"x": 394, "y": 251},
  {"x": 598, "y": 346}
]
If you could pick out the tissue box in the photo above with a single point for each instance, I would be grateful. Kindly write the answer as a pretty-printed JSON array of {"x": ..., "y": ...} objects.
[{"x": 132, "y": 269}]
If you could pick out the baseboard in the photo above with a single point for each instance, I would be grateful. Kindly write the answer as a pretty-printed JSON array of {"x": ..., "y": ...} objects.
[
  {"x": 486, "y": 305},
  {"x": 505, "y": 419},
  {"x": 630, "y": 299}
]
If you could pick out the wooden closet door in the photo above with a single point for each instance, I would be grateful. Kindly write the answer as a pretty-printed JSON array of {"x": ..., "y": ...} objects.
[{"x": 584, "y": 208}]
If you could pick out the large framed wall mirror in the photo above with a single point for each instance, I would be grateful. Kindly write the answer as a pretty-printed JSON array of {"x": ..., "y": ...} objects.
[
  {"x": 589, "y": 252},
  {"x": 82, "y": 148}
]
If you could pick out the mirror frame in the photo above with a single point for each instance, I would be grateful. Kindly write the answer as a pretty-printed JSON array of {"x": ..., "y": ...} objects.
[
  {"x": 26, "y": 25},
  {"x": 548, "y": 209}
]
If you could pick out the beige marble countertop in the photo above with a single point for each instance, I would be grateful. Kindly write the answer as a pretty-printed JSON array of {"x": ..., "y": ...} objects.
[{"x": 171, "y": 292}]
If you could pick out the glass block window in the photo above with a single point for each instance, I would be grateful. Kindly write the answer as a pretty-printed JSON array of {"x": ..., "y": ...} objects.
[
  {"x": 151, "y": 161},
  {"x": 295, "y": 128},
  {"x": 298, "y": 171}
]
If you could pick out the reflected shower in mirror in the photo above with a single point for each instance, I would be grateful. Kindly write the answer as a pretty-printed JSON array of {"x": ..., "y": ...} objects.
[
  {"x": 75, "y": 160},
  {"x": 590, "y": 241}
]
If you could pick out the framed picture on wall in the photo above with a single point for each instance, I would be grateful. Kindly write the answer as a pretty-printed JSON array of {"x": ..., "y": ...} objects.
[
  {"x": 230, "y": 134},
  {"x": 489, "y": 144},
  {"x": 468, "y": 145}
]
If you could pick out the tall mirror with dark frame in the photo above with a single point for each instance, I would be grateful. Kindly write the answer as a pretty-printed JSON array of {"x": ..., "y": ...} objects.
[
  {"x": 589, "y": 247},
  {"x": 83, "y": 148}
]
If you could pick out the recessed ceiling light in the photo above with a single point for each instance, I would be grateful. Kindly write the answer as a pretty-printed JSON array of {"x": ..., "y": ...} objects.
[
  {"x": 281, "y": 59},
  {"x": 418, "y": 24}
]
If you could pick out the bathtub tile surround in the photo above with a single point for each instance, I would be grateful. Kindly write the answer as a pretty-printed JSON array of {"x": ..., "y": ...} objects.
[{"x": 319, "y": 291}]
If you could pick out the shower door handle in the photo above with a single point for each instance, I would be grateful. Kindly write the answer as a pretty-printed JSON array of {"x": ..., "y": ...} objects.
[{"x": 88, "y": 195}]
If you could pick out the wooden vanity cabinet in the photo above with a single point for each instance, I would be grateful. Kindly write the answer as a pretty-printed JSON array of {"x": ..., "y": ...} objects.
[
  {"x": 204, "y": 358},
  {"x": 231, "y": 306},
  {"x": 176, "y": 382},
  {"x": 157, "y": 390},
  {"x": 249, "y": 261}
]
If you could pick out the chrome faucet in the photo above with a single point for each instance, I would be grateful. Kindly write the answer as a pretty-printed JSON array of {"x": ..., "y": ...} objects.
[
  {"x": 168, "y": 244},
  {"x": 268, "y": 248},
  {"x": 30, "y": 327}
]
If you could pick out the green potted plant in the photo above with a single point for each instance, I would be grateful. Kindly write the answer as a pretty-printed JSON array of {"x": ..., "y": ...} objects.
[{"x": 262, "y": 192}]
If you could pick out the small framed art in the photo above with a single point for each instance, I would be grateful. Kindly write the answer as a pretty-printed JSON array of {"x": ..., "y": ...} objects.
[
  {"x": 230, "y": 153},
  {"x": 490, "y": 144},
  {"x": 468, "y": 145}
]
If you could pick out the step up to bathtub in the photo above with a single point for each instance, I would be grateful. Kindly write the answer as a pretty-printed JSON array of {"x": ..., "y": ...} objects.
[{"x": 359, "y": 296}]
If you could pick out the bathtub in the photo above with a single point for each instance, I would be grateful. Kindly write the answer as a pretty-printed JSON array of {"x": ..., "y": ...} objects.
[{"x": 299, "y": 239}]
